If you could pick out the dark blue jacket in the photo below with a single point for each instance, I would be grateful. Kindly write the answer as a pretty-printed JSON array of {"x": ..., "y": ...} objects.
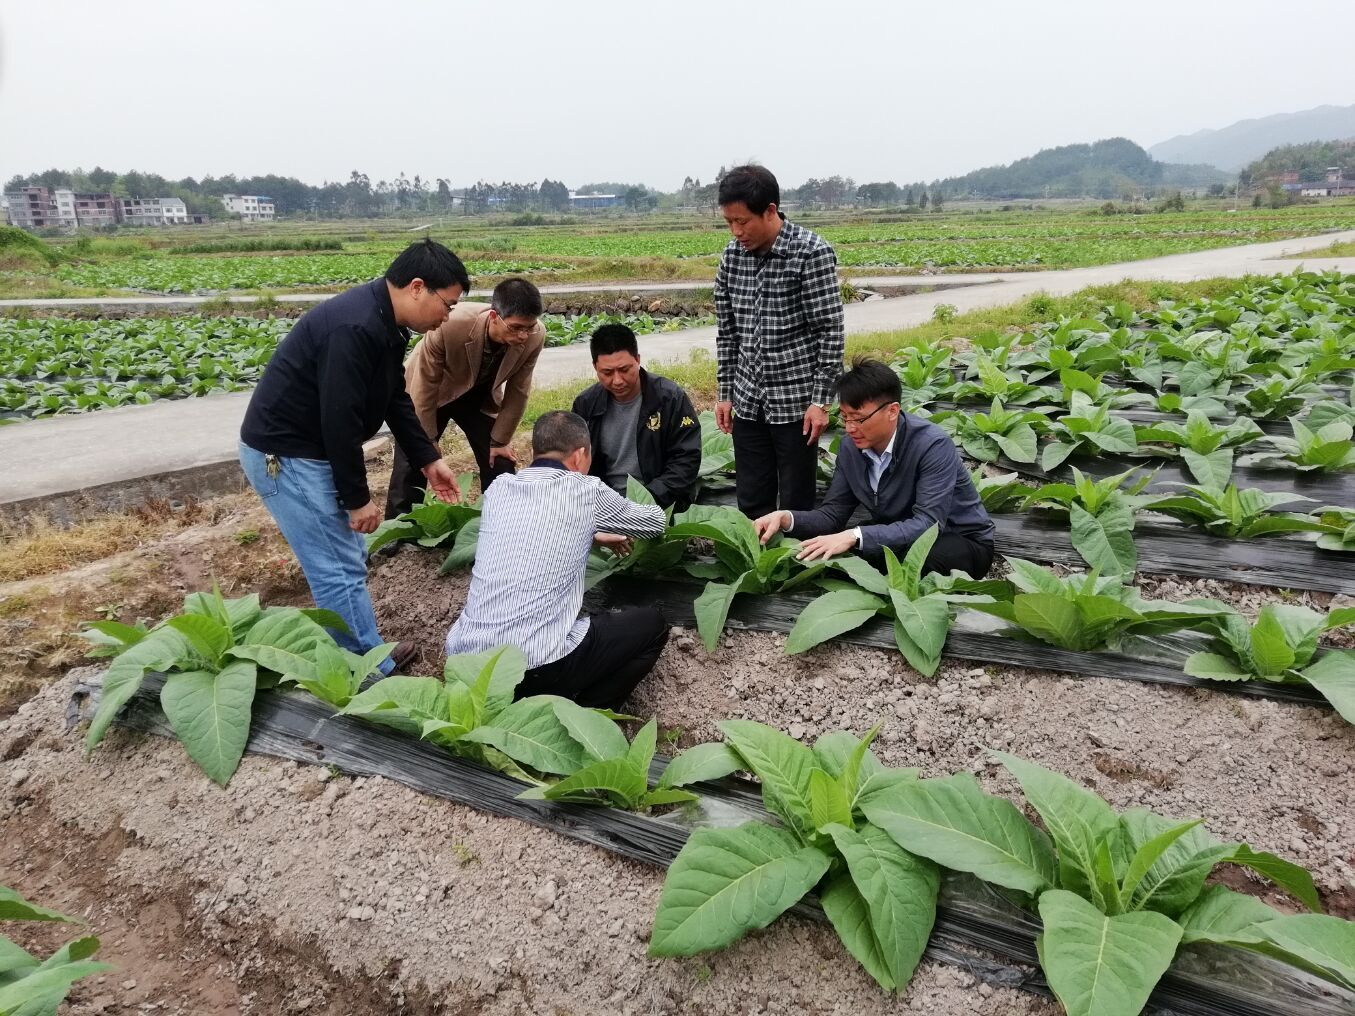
[
  {"x": 331, "y": 382},
  {"x": 925, "y": 482}
]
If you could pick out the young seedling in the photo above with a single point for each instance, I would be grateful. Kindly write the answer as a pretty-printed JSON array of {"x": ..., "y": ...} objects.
[
  {"x": 616, "y": 773},
  {"x": 1233, "y": 513},
  {"x": 1281, "y": 646},
  {"x": 1206, "y": 449},
  {"x": 1086, "y": 612},
  {"x": 214, "y": 655},
  {"x": 880, "y": 898},
  {"x": 918, "y": 605},
  {"x": 1117, "y": 892},
  {"x": 987, "y": 436},
  {"x": 34, "y": 987},
  {"x": 1328, "y": 449},
  {"x": 1087, "y": 428},
  {"x": 1101, "y": 515},
  {"x": 1000, "y": 494}
]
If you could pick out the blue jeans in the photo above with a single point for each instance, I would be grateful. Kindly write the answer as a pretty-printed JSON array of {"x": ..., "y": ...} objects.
[{"x": 305, "y": 504}]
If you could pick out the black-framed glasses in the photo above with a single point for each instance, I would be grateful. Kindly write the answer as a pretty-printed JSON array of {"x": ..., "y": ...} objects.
[
  {"x": 856, "y": 423},
  {"x": 450, "y": 306},
  {"x": 516, "y": 329}
]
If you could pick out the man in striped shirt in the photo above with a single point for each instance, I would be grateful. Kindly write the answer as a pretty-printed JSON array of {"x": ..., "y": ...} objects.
[
  {"x": 526, "y": 588},
  {"x": 778, "y": 345}
]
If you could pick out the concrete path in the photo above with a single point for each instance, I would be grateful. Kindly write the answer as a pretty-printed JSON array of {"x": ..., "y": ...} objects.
[{"x": 67, "y": 465}]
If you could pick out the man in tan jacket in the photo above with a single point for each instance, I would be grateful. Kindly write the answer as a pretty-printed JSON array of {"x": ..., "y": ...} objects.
[{"x": 476, "y": 371}]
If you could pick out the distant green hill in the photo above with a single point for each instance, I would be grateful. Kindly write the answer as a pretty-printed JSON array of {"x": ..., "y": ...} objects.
[
  {"x": 1310, "y": 161},
  {"x": 1109, "y": 168}
]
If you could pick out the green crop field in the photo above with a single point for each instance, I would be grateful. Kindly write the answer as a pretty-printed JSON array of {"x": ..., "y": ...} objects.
[{"x": 648, "y": 248}]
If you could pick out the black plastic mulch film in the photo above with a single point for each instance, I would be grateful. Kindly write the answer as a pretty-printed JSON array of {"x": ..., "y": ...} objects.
[
  {"x": 972, "y": 920},
  {"x": 973, "y": 636}
]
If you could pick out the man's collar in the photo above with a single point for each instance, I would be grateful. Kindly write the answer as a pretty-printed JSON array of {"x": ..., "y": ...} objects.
[
  {"x": 781, "y": 242},
  {"x": 889, "y": 448},
  {"x": 398, "y": 335},
  {"x": 546, "y": 463}
]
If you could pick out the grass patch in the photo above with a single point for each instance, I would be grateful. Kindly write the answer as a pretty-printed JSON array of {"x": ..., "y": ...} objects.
[{"x": 1336, "y": 250}]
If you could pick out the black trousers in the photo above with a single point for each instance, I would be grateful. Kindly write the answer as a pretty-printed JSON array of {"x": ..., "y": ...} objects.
[
  {"x": 775, "y": 467},
  {"x": 949, "y": 553},
  {"x": 615, "y": 655},
  {"x": 407, "y": 483}
]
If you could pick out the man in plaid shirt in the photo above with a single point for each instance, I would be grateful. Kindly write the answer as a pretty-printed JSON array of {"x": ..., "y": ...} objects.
[{"x": 778, "y": 308}]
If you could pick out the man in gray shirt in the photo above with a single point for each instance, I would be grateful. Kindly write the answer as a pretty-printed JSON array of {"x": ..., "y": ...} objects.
[{"x": 641, "y": 424}]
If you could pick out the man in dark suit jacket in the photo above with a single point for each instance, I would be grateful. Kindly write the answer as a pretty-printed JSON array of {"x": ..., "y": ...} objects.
[{"x": 905, "y": 471}]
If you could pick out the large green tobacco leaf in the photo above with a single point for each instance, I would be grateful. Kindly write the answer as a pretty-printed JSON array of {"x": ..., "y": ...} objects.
[
  {"x": 1333, "y": 674},
  {"x": 162, "y": 649},
  {"x": 404, "y": 703},
  {"x": 900, "y": 893},
  {"x": 727, "y": 882},
  {"x": 953, "y": 822},
  {"x": 712, "y": 607},
  {"x": 1224, "y": 917},
  {"x": 462, "y": 554},
  {"x": 702, "y": 762},
  {"x": 830, "y": 615},
  {"x": 210, "y": 713},
  {"x": 1212, "y": 469},
  {"x": 530, "y": 733},
  {"x": 46, "y": 987},
  {"x": 618, "y": 781},
  {"x": 1077, "y": 819},
  {"x": 783, "y": 765},
  {"x": 1105, "y": 540},
  {"x": 14, "y": 907},
  {"x": 849, "y": 914},
  {"x": 492, "y": 677},
  {"x": 1325, "y": 943},
  {"x": 600, "y": 738},
  {"x": 1289, "y": 876},
  {"x": 1098, "y": 965},
  {"x": 282, "y": 641}
]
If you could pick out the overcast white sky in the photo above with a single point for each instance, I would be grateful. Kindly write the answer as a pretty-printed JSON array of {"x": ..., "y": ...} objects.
[{"x": 639, "y": 91}]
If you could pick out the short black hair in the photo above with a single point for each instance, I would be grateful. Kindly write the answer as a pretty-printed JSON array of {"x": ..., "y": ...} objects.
[
  {"x": 613, "y": 339},
  {"x": 753, "y": 185},
  {"x": 516, "y": 298},
  {"x": 559, "y": 432},
  {"x": 869, "y": 380},
  {"x": 430, "y": 261}
]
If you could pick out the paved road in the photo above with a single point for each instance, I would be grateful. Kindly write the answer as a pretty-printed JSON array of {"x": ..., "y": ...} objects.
[{"x": 176, "y": 441}]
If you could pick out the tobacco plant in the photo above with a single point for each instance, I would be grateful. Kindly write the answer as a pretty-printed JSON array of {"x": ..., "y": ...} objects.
[
  {"x": 1117, "y": 892},
  {"x": 1000, "y": 431},
  {"x": 1206, "y": 448},
  {"x": 741, "y": 565},
  {"x": 1086, "y": 612},
  {"x": 1233, "y": 513},
  {"x": 472, "y": 713},
  {"x": 999, "y": 494},
  {"x": 1282, "y": 646},
  {"x": 30, "y": 986},
  {"x": 1087, "y": 428},
  {"x": 1101, "y": 516},
  {"x": 615, "y": 773},
  {"x": 724, "y": 883},
  {"x": 1329, "y": 448},
  {"x": 1338, "y": 528},
  {"x": 918, "y": 604},
  {"x": 215, "y": 655}
]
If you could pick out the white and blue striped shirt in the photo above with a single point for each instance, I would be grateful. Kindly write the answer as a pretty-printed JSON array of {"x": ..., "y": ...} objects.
[{"x": 526, "y": 588}]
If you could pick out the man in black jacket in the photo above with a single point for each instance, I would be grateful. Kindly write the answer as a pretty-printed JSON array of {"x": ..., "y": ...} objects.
[
  {"x": 331, "y": 382},
  {"x": 641, "y": 424}
]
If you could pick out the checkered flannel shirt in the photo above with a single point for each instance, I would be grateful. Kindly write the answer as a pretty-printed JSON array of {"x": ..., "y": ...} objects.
[{"x": 780, "y": 338}]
